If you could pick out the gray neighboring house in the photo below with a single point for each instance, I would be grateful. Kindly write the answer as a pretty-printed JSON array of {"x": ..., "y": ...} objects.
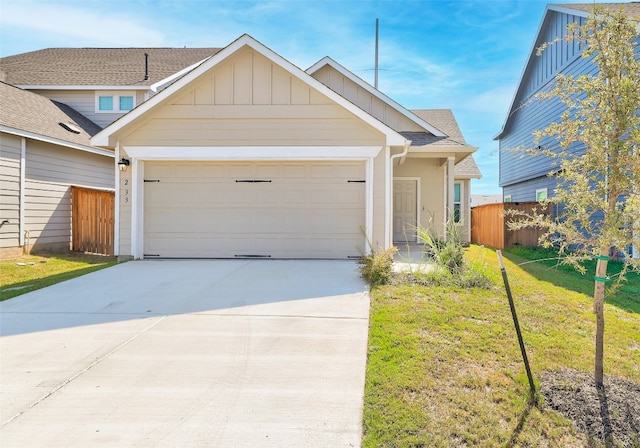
[
  {"x": 525, "y": 178},
  {"x": 44, "y": 150},
  {"x": 85, "y": 89}
]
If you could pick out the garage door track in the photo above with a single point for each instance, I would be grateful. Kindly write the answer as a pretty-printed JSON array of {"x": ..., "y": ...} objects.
[{"x": 200, "y": 353}]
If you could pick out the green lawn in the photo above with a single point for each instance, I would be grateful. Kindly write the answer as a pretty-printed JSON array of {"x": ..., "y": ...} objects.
[
  {"x": 28, "y": 273},
  {"x": 444, "y": 367}
]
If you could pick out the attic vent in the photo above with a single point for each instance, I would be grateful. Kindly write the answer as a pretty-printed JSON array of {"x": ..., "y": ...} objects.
[{"x": 70, "y": 127}]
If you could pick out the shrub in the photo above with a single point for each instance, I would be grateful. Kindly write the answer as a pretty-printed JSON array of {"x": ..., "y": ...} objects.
[{"x": 377, "y": 266}]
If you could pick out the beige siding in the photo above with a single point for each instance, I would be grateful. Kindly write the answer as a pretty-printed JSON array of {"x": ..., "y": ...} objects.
[
  {"x": 365, "y": 100},
  {"x": 431, "y": 174},
  {"x": 249, "y": 101},
  {"x": 84, "y": 101},
  {"x": 9, "y": 190},
  {"x": 50, "y": 172}
]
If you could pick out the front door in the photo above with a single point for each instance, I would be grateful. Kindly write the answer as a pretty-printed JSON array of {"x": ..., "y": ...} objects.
[{"x": 405, "y": 213}]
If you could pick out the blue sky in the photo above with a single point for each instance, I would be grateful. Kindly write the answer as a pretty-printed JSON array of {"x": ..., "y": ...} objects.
[{"x": 465, "y": 55}]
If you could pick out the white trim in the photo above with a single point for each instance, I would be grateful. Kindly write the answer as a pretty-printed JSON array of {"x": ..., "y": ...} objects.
[
  {"x": 369, "y": 166},
  {"x": 155, "y": 86},
  {"x": 22, "y": 188},
  {"x": 137, "y": 209},
  {"x": 115, "y": 95},
  {"x": 375, "y": 92},
  {"x": 542, "y": 190},
  {"x": 388, "y": 187},
  {"x": 116, "y": 224},
  {"x": 55, "y": 141},
  {"x": 74, "y": 87},
  {"x": 418, "y": 202},
  {"x": 102, "y": 138},
  {"x": 252, "y": 152},
  {"x": 450, "y": 176}
]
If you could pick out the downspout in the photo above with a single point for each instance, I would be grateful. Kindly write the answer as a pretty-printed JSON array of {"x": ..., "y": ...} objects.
[{"x": 389, "y": 217}]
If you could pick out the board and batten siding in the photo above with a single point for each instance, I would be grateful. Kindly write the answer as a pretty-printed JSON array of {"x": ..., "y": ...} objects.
[
  {"x": 84, "y": 101},
  {"x": 10, "y": 150},
  {"x": 49, "y": 173},
  {"x": 530, "y": 113},
  {"x": 247, "y": 100},
  {"x": 344, "y": 86}
]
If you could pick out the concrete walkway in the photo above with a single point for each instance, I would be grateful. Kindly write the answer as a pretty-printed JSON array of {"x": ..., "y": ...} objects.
[{"x": 205, "y": 353}]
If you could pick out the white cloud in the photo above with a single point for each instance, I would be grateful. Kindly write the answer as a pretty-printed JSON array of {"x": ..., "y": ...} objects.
[{"x": 78, "y": 26}]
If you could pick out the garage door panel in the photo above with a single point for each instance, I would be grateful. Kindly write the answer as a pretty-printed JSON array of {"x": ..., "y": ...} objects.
[{"x": 307, "y": 210}]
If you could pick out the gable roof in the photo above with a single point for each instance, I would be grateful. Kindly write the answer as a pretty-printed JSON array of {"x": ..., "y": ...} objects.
[
  {"x": 578, "y": 9},
  {"x": 375, "y": 92},
  {"x": 30, "y": 115},
  {"x": 104, "y": 137},
  {"x": 98, "y": 66}
]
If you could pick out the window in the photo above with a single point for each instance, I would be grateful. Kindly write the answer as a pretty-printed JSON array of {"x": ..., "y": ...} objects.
[
  {"x": 126, "y": 102},
  {"x": 105, "y": 103},
  {"x": 457, "y": 201},
  {"x": 114, "y": 102},
  {"x": 507, "y": 198},
  {"x": 541, "y": 194}
]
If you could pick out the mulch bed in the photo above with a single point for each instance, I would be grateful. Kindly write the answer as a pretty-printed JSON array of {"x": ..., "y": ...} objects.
[{"x": 611, "y": 416}]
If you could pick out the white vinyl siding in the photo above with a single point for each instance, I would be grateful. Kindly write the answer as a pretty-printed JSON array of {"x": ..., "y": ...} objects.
[{"x": 85, "y": 102}]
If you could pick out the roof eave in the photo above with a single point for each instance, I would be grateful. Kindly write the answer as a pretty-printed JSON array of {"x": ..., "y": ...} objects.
[{"x": 56, "y": 141}]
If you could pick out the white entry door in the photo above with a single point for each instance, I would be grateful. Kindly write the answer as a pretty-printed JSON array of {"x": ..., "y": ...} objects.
[{"x": 405, "y": 210}]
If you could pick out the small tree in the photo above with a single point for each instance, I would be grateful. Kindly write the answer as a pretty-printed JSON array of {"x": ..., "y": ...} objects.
[{"x": 598, "y": 169}]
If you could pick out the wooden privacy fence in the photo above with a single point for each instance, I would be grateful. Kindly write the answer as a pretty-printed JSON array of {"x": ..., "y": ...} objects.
[
  {"x": 489, "y": 225},
  {"x": 92, "y": 220}
]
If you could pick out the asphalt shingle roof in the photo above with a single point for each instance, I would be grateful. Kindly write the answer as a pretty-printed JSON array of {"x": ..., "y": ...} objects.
[
  {"x": 98, "y": 66},
  {"x": 36, "y": 114},
  {"x": 632, "y": 9}
]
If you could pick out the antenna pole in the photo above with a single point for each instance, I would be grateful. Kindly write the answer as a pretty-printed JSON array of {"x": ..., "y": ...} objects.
[{"x": 375, "y": 82}]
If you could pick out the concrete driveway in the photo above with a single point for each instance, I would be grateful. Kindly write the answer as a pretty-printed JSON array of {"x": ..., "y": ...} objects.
[{"x": 187, "y": 353}]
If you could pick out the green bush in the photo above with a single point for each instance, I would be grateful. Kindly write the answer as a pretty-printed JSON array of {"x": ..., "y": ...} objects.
[{"x": 377, "y": 266}]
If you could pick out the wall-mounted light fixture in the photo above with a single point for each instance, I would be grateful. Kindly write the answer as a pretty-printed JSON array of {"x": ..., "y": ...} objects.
[{"x": 123, "y": 164}]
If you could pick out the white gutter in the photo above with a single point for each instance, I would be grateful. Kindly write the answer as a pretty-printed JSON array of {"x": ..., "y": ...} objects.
[{"x": 389, "y": 199}]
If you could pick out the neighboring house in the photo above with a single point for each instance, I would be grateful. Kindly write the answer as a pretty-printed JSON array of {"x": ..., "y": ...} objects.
[
  {"x": 525, "y": 178},
  {"x": 484, "y": 199},
  {"x": 44, "y": 150},
  {"x": 248, "y": 156}
]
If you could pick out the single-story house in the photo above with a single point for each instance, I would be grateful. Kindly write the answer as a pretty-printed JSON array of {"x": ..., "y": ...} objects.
[{"x": 246, "y": 155}]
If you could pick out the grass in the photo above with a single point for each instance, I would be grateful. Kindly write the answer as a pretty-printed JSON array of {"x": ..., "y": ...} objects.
[
  {"x": 444, "y": 368},
  {"x": 28, "y": 273}
]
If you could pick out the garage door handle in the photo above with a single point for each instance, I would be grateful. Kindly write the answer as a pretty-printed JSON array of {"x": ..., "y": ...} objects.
[
  {"x": 253, "y": 181},
  {"x": 356, "y": 181}
]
